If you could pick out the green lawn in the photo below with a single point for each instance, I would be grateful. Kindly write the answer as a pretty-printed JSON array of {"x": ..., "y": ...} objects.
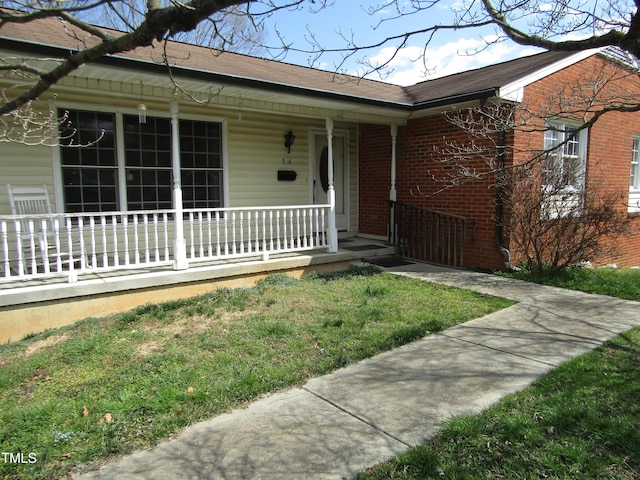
[
  {"x": 621, "y": 283},
  {"x": 104, "y": 387},
  {"x": 581, "y": 421}
]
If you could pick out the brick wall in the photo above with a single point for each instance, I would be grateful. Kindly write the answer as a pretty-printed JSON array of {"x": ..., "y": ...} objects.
[
  {"x": 374, "y": 171},
  {"x": 421, "y": 179},
  {"x": 610, "y": 139},
  {"x": 420, "y": 171}
]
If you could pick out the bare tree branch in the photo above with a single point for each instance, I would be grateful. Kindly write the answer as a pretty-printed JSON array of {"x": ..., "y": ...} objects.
[{"x": 158, "y": 23}]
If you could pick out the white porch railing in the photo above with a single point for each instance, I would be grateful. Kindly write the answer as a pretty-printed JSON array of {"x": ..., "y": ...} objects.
[{"x": 69, "y": 244}]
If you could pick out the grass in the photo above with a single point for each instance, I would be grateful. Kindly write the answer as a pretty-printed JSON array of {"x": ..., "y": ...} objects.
[
  {"x": 621, "y": 283},
  {"x": 105, "y": 387},
  {"x": 581, "y": 421}
]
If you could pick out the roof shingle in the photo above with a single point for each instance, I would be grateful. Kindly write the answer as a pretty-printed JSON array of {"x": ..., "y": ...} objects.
[{"x": 56, "y": 33}]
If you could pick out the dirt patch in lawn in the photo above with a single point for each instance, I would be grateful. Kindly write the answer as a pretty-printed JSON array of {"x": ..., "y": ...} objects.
[{"x": 36, "y": 347}]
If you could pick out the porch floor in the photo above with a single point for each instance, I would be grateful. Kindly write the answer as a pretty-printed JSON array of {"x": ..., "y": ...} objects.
[{"x": 29, "y": 305}]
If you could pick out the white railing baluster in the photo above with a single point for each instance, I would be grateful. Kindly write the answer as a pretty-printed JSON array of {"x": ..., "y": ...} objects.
[
  {"x": 165, "y": 221},
  {"x": 265, "y": 251},
  {"x": 105, "y": 246},
  {"x": 116, "y": 251},
  {"x": 233, "y": 232},
  {"x": 4, "y": 232},
  {"x": 218, "y": 233},
  {"x": 56, "y": 244},
  {"x": 209, "y": 239},
  {"x": 305, "y": 240},
  {"x": 125, "y": 229},
  {"x": 256, "y": 247},
  {"x": 226, "y": 234},
  {"x": 32, "y": 247},
  {"x": 285, "y": 230},
  {"x": 278, "y": 237},
  {"x": 92, "y": 237},
  {"x": 145, "y": 230},
  {"x": 298, "y": 239},
  {"x": 270, "y": 230},
  {"x": 156, "y": 247},
  {"x": 292, "y": 241},
  {"x": 44, "y": 245},
  {"x": 136, "y": 240},
  {"x": 242, "y": 231},
  {"x": 191, "y": 241},
  {"x": 201, "y": 236},
  {"x": 21, "y": 265}
]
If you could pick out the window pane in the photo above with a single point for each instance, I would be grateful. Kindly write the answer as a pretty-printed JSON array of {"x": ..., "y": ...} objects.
[
  {"x": 89, "y": 189},
  {"x": 148, "y": 145},
  {"x": 202, "y": 189},
  {"x": 88, "y": 158},
  {"x": 148, "y": 189},
  {"x": 565, "y": 166},
  {"x": 201, "y": 157},
  {"x": 88, "y": 138}
]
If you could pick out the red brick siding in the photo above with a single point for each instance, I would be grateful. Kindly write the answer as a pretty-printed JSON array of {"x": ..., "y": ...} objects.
[
  {"x": 422, "y": 180},
  {"x": 374, "y": 170},
  {"x": 417, "y": 165},
  {"x": 610, "y": 141},
  {"x": 609, "y": 157}
]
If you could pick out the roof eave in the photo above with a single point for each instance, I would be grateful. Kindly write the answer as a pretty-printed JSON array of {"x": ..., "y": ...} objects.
[
  {"x": 222, "y": 78},
  {"x": 478, "y": 95}
]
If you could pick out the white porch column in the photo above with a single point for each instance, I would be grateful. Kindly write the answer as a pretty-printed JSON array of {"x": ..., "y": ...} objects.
[
  {"x": 394, "y": 135},
  {"x": 392, "y": 191},
  {"x": 331, "y": 193},
  {"x": 179, "y": 244}
]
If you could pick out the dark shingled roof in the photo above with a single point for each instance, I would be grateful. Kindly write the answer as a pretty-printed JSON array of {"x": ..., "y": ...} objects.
[
  {"x": 482, "y": 79},
  {"x": 271, "y": 74}
]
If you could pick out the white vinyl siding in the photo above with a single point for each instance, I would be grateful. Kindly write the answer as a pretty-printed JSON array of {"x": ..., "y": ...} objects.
[{"x": 253, "y": 153}]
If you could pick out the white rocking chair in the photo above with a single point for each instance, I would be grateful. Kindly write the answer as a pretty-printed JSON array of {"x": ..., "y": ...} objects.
[{"x": 41, "y": 245}]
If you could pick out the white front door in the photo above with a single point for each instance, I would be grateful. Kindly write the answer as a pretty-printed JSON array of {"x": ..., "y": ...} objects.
[{"x": 340, "y": 174}]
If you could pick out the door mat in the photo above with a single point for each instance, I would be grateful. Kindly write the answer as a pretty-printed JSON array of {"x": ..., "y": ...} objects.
[
  {"x": 388, "y": 262},
  {"x": 359, "y": 248}
]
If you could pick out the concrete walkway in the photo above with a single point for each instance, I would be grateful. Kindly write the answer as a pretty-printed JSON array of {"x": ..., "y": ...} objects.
[{"x": 337, "y": 425}]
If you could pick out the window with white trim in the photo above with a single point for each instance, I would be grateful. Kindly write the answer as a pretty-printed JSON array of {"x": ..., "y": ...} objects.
[
  {"x": 565, "y": 165},
  {"x": 563, "y": 175},
  {"x": 635, "y": 165},
  {"x": 634, "y": 185},
  {"x": 92, "y": 159}
]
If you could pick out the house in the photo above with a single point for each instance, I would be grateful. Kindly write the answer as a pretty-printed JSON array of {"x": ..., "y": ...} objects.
[{"x": 163, "y": 184}]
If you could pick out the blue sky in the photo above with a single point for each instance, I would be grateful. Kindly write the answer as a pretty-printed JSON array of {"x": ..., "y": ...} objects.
[{"x": 446, "y": 54}]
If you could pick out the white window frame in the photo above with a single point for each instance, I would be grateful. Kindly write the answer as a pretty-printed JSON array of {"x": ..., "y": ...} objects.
[
  {"x": 120, "y": 148},
  {"x": 564, "y": 197},
  {"x": 634, "y": 183},
  {"x": 557, "y": 136}
]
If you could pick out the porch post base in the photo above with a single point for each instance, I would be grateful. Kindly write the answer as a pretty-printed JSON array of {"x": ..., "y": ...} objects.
[
  {"x": 180, "y": 255},
  {"x": 332, "y": 233}
]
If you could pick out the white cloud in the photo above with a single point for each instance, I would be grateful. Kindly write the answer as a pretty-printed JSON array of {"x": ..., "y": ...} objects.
[{"x": 412, "y": 64}]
